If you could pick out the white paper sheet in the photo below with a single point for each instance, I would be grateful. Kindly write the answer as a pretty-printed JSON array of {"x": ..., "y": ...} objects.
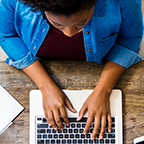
[{"x": 9, "y": 109}]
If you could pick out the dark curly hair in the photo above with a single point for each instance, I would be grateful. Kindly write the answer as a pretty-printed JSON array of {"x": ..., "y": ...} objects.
[{"x": 60, "y": 7}]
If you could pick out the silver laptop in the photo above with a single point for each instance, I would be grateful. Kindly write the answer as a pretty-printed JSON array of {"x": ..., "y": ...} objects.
[{"x": 41, "y": 133}]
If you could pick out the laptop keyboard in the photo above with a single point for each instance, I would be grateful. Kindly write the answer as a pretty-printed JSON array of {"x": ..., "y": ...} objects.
[{"x": 72, "y": 134}]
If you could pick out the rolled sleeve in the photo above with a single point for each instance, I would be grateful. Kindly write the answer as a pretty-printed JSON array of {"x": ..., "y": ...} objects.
[
  {"x": 123, "y": 56},
  {"x": 19, "y": 55},
  {"x": 124, "y": 51},
  {"x": 24, "y": 62}
]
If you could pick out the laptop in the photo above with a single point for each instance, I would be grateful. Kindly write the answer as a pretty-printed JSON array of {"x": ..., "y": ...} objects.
[{"x": 41, "y": 133}]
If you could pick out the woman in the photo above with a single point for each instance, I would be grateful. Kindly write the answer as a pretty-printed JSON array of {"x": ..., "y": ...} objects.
[{"x": 101, "y": 31}]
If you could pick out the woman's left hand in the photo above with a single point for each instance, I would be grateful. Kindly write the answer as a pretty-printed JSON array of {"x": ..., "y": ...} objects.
[{"x": 98, "y": 106}]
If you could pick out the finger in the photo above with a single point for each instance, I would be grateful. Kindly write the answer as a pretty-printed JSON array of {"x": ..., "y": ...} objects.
[
  {"x": 69, "y": 105},
  {"x": 46, "y": 115},
  {"x": 88, "y": 123},
  {"x": 103, "y": 126},
  {"x": 81, "y": 112},
  {"x": 64, "y": 115},
  {"x": 96, "y": 127},
  {"x": 51, "y": 119},
  {"x": 109, "y": 122},
  {"x": 57, "y": 119}
]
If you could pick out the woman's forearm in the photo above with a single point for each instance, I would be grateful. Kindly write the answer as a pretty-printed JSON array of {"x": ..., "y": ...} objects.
[
  {"x": 38, "y": 74},
  {"x": 109, "y": 76}
]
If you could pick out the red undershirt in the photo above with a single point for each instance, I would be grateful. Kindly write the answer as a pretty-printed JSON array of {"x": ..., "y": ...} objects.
[{"x": 56, "y": 45}]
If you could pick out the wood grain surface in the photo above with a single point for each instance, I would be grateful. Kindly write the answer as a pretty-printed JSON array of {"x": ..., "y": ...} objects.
[{"x": 75, "y": 75}]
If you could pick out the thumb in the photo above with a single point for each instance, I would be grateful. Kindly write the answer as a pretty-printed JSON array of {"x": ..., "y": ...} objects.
[
  {"x": 81, "y": 112},
  {"x": 69, "y": 105}
]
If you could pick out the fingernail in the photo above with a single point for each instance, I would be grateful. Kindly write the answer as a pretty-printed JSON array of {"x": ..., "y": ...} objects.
[
  {"x": 92, "y": 138},
  {"x": 85, "y": 133},
  {"x": 55, "y": 128},
  {"x": 67, "y": 124},
  {"x": 109, "y": 130},
  {"x": 78, "y": 118},
  {"x": 49, "y": 124},
  {"x": 101, "y": 137}
]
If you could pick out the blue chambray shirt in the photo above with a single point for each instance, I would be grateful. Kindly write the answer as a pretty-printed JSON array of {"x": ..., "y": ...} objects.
[{"x": 114, "y": 32}]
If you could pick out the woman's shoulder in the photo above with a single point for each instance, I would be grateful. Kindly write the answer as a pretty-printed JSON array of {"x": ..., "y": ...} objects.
[{"x": 9, "y": 4}]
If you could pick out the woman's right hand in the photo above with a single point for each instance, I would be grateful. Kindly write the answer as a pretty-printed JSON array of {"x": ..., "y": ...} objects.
[
  {"x": 54, "y": 102},
  {"x": 54, "y": 99}
]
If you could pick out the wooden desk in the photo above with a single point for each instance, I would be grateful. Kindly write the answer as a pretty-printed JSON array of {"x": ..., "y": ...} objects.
[{"x": 75, "y": 75}]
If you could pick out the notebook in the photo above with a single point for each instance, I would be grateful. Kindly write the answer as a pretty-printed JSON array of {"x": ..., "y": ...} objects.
[
  {"x": 9, "y": 109},
  {"x": 41, "y": 133}
]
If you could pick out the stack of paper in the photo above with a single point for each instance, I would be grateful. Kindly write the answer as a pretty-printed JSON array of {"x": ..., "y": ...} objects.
[{"x": 9, "y": 109}]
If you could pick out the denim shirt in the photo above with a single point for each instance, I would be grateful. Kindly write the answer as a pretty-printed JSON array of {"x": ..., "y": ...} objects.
[{"x": 114, "y": 32}]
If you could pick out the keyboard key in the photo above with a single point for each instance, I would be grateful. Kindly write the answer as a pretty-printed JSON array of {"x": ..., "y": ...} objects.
[
  {"x": 83, "y": 120},
  {"x": 66, "y": 136},
  {"x": 91, "y": 130},
  {"x": 73, "y": 125},
  {"x": 40, "y": 141},
  {"x": 72, "y": 120},
  {"x": 113, "y": 119},
  {"x": 40, "y": 130},
  {"x": 113, "y": 130},
  {"x": 107, "y": 141},
  {"x": 85, "y": 141},
  {"x": 44, "y": 136},
  {"x": 68, "y": 126},
  {"x": 59, "y": 131},
  {"x": 70, "y": 130},
  {"x": 58, "y": 142},
  {"x": 42, "y": 125},
  {"x": 78, "y": 125},
  {"x": 75, "y": 130},
  {"x": 81, "y": 130},
  {"x": 48, "y": 130},
  {"x": 39, "y": 119},
  {"x": 113, "y": 125},
  {"x": 96, "y": 141},
  {"x": 102, "y": 141},
  {"x": 112, "y": 140},
  {"x": 82, "y": 136},
  {"x": 47, "y": 141},
  {"x": 49, "y": 135},
  {"x": 53, "y": 142},
  {"x": 71, "y": 135},
  {"x": 79, "y": 141},
  {"x": 65, "y": 131},
  {"x": 44, "y": 120},
  {"x": 87, "y": 135},
  {"x": 90, "y": 141},
  {"x": 68, "y": 141},
  {"x": 63, "y": 141},
  {"x": 77, "y": 136},
  {"x": 55, "y": 136},
  {"x": 105, "y": 136},
  {"x": 111, "y": 135},
  {"x": 75, "y": 141},
  {"x": 83, "y": 125},
  {"x": 54, "y": 131},
  {"x": 61, "y": 136},
  {"x": 39, "y": 136}
]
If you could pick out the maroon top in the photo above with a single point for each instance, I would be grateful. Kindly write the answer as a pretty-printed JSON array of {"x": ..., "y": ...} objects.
[{"x": 58, "y": 46}]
